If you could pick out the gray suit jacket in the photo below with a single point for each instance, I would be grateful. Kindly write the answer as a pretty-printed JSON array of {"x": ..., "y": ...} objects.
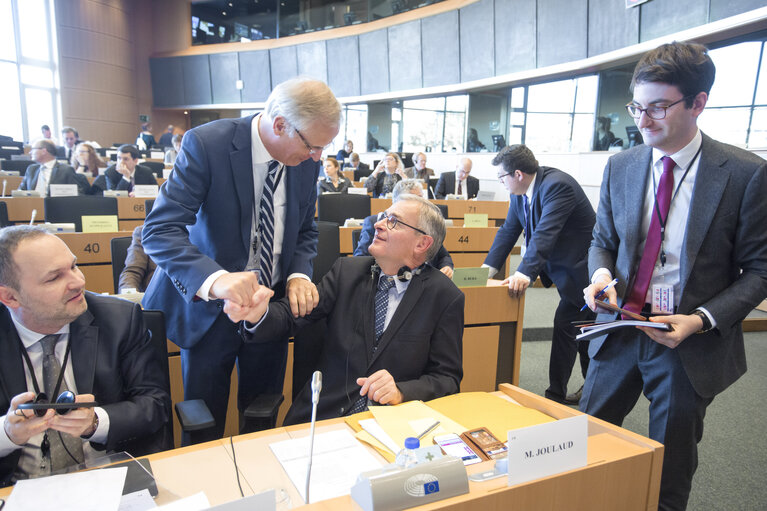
[{"x": 723, "y": 267}]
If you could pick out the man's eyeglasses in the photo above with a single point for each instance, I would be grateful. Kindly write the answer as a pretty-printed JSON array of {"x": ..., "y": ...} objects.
[
  {"x": 653, "y": 112},
  {"x": 313, "y": 149},
  {"x": 501, "y": 176},
  {"x": 392, "y": 221}
]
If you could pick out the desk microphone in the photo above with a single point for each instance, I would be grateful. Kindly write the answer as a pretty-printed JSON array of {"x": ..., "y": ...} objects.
[
  {"x": 32, "y": 218},
  {"x": 433, "y": 195},
  {"x": 5, "y": 183},
  {"x": 316, "y": 388}
]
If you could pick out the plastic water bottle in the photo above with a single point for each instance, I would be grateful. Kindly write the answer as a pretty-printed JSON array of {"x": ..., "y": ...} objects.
[{"x": 407, "y": 457}]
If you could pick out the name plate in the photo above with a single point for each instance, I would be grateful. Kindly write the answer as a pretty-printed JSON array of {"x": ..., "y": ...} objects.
[
  {"x": 470, "y": 277},
  {"x": 475, "y": 220},
  {"x": 63, "y": 190},
  {"x": 99, "y": 223},
  {"x": 547, "y": 449},
  {"x": 149, "y": 191}
]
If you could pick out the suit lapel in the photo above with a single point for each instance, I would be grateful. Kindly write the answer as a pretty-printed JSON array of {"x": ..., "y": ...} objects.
[
  {"x": 368, "y": 317},
  {"x": 11, "y": 364},
  {"x": 710, "y": 182},
  {"x": 535, "y": 206},
  {"x": 633, "y": 199},
  {"x": 406, "y": 307},
  {"x": 241, "y": 160},
  {"x": 83, "y": 336}
]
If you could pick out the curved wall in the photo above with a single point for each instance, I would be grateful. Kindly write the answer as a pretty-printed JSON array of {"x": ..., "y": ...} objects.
[{"x": 471, "y": 46}]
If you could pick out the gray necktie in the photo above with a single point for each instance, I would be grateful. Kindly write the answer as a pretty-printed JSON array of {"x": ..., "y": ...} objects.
[{"x": 60, "y": 443}]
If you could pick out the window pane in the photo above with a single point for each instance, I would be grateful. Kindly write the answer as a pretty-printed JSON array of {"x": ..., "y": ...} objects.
[
  {"x": 7, "y": 41},
  {"x": 10, "y": 120},
  {"x": 582, "y": 131},
  {"x": 549, "y": 132},
  {"x": 422, "y": 129},
  {"x": 455, "y": 127},
  {"x": 725, "y": 124},
  {"x": 33, "y": 29},
  {"x": 735, "y": 74},
  {"x": 457, "y": 103},
  {"x": 551, "y": 97},
  {"x": 39, "y": 108},
  {"x": 586, "y": 100},
  {"x": 426, "y": 104},
  {"x": 761, "y": 91},
  {"x": 758, "y": 136},
  {"x": 357, "y": 127},
  {"x": 515, "y": 136},
  {"x": 518, "y": 97},
  {"x": 517, "y": 118},
  {"x": 38, "y": 76}
]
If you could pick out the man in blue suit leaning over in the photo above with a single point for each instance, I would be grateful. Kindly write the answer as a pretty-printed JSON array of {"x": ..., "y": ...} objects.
[{"x": 237, "y": 213}]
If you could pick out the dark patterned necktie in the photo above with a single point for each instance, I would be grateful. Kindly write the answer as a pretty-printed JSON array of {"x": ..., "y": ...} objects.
[
  {"x": 266, "y": 224},
  {"x": 636, "y": 299},
  {"x": 60, "y": 443},
  {"x": 528, "y": 227},
  {"x": 460, "y": 190}
]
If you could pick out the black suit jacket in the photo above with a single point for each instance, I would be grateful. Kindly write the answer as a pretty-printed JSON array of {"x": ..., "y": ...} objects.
[
  {"x": 362, "y": 170},
  {"x": 113, "y": 180},
  {"x": 562, "y": 220},
  {"x": 421, "y": 347},
  {"x": 61, "y": 174},
  {"x": 113, "y": 359},
  {"x": 440, "y": 260},
  {"x": 446, "y": 185}
]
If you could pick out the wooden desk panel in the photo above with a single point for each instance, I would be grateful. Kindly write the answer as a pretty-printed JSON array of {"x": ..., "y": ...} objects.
[
  {"x": 480, "y": 349},
  {"x": 131, "y": 208},
  {"x": 20, "y": 208},
  {"x": 11, "y": 183},
  {"x": 378, "y": 205},
  {"x": 98, "y": 278},
  {"x": 90, "y": 248},
  {"x": 495, "y": 210},
  {"x": 469, "y": 239}
]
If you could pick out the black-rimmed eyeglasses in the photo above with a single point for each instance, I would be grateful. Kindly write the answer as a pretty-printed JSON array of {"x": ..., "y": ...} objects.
[
  {"x": 392, "y": 221},
  {"x": 653, "y": 111},
  {"x": 313, "y": 149}
]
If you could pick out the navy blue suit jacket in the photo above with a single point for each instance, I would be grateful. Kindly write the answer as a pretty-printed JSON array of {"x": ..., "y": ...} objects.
[
  {"x": 562, "y": 220},
  {"x": 201, "y": 221}
]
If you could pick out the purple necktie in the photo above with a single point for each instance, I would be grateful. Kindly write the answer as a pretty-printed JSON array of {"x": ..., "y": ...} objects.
[{"x": 636, "y": 299}]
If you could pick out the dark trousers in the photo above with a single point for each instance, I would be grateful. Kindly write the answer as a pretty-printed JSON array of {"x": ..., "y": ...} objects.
[
  {"x": 564, "y": 348},
  {"x": 207, "y": 369},
  {"x": 629, "y": 363}
]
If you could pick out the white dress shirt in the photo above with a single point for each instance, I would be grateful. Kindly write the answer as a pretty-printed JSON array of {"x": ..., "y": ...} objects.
[{"x": 44, "y": 177}]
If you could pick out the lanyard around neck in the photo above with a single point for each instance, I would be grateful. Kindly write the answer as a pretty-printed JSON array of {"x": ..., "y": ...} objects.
[{"x": 25, "y": 355}]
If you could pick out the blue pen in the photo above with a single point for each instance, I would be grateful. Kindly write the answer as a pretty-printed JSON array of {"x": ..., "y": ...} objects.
[{"x": 602, "y": 292}]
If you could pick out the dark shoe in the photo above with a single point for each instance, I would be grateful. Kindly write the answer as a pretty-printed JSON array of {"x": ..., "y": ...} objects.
[{"x": 575, "y": 397}]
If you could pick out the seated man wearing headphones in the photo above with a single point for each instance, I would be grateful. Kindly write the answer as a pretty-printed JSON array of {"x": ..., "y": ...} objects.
[{"x": 395, "y": 324}]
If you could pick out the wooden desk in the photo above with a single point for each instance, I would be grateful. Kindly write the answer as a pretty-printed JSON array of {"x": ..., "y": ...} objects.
[
  {"x": 130, "y": 211},
  {"x": 457, "y": 239},
  {"x": 11, "y": 183},
  {"x": 94, "y": 257},
  {"x": 622, "y": 472}
]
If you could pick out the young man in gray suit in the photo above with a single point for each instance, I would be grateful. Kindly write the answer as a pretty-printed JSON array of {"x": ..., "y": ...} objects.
[{"x": 680, "y": 224}]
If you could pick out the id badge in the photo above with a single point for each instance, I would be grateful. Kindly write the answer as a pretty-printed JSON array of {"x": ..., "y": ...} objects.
[{"x": 662, "y": 299}]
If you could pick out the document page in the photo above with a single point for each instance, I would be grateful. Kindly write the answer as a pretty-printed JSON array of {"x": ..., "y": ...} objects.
[{"x": 338, "y": 460}]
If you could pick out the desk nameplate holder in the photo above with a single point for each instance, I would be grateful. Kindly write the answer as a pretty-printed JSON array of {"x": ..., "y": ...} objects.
[{"x": 392, "y": 489}]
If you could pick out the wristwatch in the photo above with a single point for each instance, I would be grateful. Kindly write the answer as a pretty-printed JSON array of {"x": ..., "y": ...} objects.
[
  {"x": 706, "y": 322},
  {"x": 94, "y": 425}
]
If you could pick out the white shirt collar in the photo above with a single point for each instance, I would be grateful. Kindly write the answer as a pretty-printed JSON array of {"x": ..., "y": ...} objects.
[
  {"x": 531, "y": 188},
  {"x": 399, "y": 285},
  {"x": 29, "y": 337},
  {"x": 684, "y": 156},
  {"x": 259, "y": 152}
]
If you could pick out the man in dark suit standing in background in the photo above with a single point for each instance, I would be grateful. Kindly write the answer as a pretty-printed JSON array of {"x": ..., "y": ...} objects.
[
  {"x": 557, "y": 217},
  {"x": 51, "y": 326},
  {"x": 47, "y": 171},
  {"x": 681, "y": 225},
  {"x": 458, "y": 183},
  {"x": 237, "y": 213},
  {"x": 395, "y": 324},
  {"x": 124, "y": 174}
]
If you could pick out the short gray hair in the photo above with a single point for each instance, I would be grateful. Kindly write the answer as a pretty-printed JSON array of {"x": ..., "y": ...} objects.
[
  {"x": 303, "y": 100},
  {"x": 406, "y": 186},
  {"x": 431, "y": 221},
  {"x": 10, "y": 239}
]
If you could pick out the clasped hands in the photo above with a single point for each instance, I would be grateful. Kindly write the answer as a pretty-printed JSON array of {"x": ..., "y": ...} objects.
[
  {"x": 21, "y": 425},
  {"x": 682, "y": 325},
  {"x": 246, "y": 300},
  {"x": 381, "y": 388}
]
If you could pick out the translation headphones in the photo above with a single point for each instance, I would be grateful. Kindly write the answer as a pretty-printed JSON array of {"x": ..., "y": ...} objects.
[{"x": 404, "y": 274}]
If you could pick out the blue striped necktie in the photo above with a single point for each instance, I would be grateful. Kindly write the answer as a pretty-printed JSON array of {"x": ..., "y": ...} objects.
[{"x": 266, "y": 224}]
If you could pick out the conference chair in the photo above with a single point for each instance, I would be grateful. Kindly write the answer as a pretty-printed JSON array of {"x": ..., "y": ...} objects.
[
  {"x": 18, "y": 165},
  {"x": 328, "y": 249},
  {"x": 119, "y": 248},
  {"x": 307, "y": 348},
  {"x": 337, "y": 207},
  {"x": 443, "y": 209},
  {"x": 72, "y": 209},
  {"x": 4, "y": 215},
  {"x": 155, "y": 166},
  {"x": 148, "y": 206},
  {"x": 192, "y": 415}
]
